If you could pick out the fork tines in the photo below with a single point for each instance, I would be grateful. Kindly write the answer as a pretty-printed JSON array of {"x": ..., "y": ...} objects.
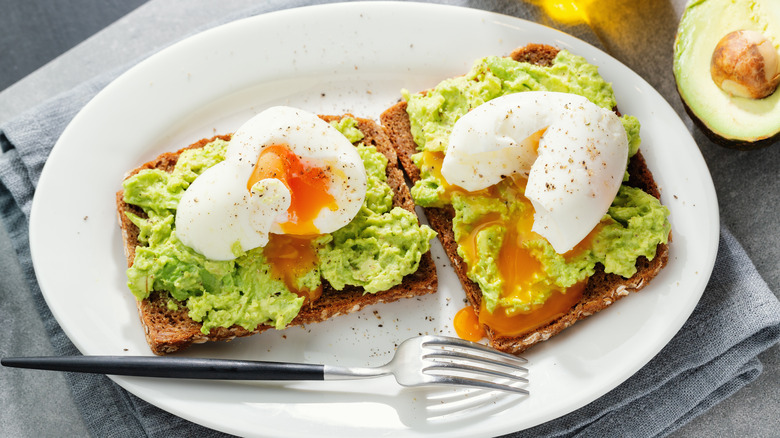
[{"x": 458, "y": 362}]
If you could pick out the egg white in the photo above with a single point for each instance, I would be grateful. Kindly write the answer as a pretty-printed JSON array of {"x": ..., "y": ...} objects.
[{"x": 217, "y": 211}]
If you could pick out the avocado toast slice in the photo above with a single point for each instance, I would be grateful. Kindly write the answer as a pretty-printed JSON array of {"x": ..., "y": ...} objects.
[
  {"x": 167, "y": 323},
  {"x": 601, "y": 290}
]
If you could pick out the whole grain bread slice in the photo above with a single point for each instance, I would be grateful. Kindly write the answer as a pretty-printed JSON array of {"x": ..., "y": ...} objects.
[
  {"x": 168, "y": 330},
  {"x": 602, "y": 289}
]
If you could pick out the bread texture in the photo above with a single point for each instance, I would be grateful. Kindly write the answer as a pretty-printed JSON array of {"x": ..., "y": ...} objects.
[
  {"x": 602, "y": 289},
  {"x": 169, "y": 330}
]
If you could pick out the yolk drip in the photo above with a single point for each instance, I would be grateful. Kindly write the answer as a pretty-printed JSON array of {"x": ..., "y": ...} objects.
[
  {"x": 467, "y": 325},
  {"x": 517, "y": 266},
  {"x": 308, "y": 187},
  {"x": 521, "y": 273},
  {"x": 519, "y": 323},
  {"x": 291, "y": 257}
]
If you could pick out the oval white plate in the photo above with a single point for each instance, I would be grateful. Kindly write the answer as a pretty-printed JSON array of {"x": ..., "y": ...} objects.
[{"x": 330, "y": 60}]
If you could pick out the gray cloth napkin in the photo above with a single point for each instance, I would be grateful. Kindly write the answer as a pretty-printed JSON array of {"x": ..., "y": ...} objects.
[{"x": 711, "y": 357}]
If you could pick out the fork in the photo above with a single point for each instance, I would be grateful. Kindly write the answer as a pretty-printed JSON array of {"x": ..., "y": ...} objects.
[{"x": 419, "y": 361}]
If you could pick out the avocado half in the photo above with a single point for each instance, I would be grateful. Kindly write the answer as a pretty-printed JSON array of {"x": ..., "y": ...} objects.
[{"x": 731, "y": 121}]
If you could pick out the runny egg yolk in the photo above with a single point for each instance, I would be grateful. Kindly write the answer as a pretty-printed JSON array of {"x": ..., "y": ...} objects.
[
  {"x": 520, "y": 270},
  {"x": 521, "y": 273},
  {"x": 432, "y": 160},
  {"x": 308, "y": 187},
  {"x": 467, "y": 325},
  {"x": 513, "y": 325},
  {"x": 291, "y": 257}
]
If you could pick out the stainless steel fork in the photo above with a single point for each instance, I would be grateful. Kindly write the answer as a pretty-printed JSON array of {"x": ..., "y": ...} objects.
[{"x": 419, "y": 361}]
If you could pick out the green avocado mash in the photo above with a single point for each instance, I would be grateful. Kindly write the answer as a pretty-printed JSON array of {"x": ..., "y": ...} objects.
[
  {"x": 376, "y": 250},
  {"x": 381, "y": 244},
  {"x": 634, "y": 225},
  {"x": 434, "y": 114}
]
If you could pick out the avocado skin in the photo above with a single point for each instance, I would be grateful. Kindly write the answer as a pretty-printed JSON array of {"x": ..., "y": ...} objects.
[
  {"x": 725, "y": 142},
  {"x": 740, "y": 15}
]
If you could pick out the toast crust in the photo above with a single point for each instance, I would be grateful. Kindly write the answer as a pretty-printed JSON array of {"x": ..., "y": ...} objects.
[
  {"x": 168, "y": 330},
  {"x": 602, "y": 289}
]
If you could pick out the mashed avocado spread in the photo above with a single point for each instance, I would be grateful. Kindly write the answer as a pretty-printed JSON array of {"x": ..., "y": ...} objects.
[
  {"x": 634, "y": 225},
  {"x": 375, "y": 251}
]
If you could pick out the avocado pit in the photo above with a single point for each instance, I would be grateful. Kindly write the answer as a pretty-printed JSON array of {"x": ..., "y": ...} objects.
[
  {"x": 726, "y": 70},
  {"x": 745, "y": 64}
]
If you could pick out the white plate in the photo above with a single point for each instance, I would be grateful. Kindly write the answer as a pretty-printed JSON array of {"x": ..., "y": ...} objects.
[{"x": 331, "y": 59}]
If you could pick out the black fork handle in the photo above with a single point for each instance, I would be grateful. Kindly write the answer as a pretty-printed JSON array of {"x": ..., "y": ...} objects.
[{"x": 176, "y": 367}]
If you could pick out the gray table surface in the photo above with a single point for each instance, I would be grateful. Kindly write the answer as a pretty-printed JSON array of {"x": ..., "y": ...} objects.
[{"x": 45, "y": 408}]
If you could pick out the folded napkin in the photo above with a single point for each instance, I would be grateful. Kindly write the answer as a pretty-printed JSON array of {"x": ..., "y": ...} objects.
[{"x": 711, "y": 357}]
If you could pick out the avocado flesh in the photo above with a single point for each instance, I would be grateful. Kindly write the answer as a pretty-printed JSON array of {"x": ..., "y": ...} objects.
[{"x": 729, "y": 120}]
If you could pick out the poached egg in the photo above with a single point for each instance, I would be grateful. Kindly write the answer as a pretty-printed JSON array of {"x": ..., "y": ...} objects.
[
  {"x": 568, "y": 156},
  {"x": 286, "y": 171},
  {"x": 572, "y": 152}
]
